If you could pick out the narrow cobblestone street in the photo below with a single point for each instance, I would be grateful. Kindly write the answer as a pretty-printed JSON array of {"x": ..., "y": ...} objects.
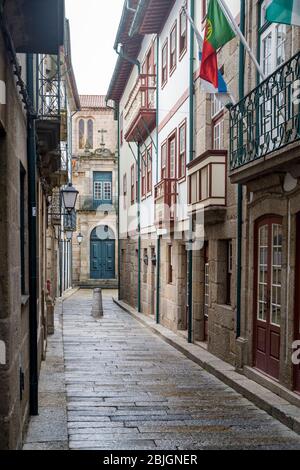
[{"x": 128, "y": 389}]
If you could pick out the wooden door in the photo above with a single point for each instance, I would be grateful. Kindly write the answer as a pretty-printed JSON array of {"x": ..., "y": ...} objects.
[
  {"x": 206, "y": 288},
  {"x": 267, "y": 294}
]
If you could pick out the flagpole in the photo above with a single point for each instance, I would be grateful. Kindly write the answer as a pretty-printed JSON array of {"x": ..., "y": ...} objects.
[
  {"x": 200, "y": 45},
  {"x": 196, "y": 30},
  {"x": 231, "y": 18}
]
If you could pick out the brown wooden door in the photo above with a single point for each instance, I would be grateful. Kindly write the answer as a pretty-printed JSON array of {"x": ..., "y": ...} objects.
[
  {"x": 206, "y": 289},
  {"x": 297, "y": 302},
  {"x": 267, "y": 295}
]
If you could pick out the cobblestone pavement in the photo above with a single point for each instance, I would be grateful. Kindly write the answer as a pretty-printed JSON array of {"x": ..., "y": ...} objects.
[{"x": 127, "y": 389}]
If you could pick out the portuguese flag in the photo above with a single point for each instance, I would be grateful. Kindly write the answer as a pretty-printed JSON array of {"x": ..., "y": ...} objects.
[
  {"x": 284, "y": 11},
  {"x": 217, "y": 33}
]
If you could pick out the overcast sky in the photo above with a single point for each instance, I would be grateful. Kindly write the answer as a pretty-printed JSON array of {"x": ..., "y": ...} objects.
[{"x": 94, "y": 25}]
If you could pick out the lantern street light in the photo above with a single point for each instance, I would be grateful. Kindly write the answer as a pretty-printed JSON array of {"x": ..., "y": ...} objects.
[
  {"x": 79, "y": 238},
  {"x": 69, "y": 196},
  {"x": 69, "y": 235}
]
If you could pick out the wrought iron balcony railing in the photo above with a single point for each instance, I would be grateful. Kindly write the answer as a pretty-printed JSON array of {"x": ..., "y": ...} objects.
[
  {"x": 140, "y": 109},
  {"x": 165, "y": 197},
  {"x": 49, "y": 87},
  {"x": 268, "y": 118}
]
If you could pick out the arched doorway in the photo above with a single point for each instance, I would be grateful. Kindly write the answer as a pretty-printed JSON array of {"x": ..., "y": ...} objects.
[{"x": 102, "y": 253}]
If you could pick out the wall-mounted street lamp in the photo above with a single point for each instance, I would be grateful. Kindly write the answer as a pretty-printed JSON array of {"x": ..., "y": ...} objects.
[
  {"x": 69, "y": 235},
  {"x": 79, "y": 239},
  {"x": 69, "y": 197}
]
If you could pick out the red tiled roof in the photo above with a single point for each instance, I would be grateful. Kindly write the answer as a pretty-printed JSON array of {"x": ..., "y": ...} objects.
[{"x": 92, "y": 101}]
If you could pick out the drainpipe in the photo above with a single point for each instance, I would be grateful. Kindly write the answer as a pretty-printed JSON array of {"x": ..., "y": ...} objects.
[
  {"x": 157, "y": 179},
  {"x": 139, "y": 229},
  {"x": 240, "y": 187},
  {"x": 32, "y": 228},
  {"x": 119, "y": 195},
  {"x": 191, "y": 144},
  {"x": 124, "y": 56}
]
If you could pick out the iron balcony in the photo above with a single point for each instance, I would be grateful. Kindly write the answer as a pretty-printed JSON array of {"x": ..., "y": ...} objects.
[{"x": 266, "y": 123}]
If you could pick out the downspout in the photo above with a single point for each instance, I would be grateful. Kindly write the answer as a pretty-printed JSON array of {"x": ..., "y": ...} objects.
[
  {"x": 71, "y": 174},
  {"x": 119, "y": 195},
  {"x": 32, "y": 228},
  {"x": 191, "y": 145},
  {"x": 157, "y": 180},
  {"x": 124, "y": 56},
  {"x": 139, "y": 229},
  {"x": 240, "y": 186}
]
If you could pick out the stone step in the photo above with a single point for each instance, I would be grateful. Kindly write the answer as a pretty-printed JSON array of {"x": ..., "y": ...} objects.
[{"x": 94, "y": 284}]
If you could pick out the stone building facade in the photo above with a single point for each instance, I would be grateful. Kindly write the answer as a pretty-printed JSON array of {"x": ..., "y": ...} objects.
[
  {"x": 266, "y": 164},
  {"x": 32, "y": 167},
  {"x": 95, "y": 175},
  {"x": 237, "y": 196}
]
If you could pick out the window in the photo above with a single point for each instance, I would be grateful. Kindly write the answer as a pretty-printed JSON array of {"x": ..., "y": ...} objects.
[
  {"x": 90, "y": 137},
  {"x": 182, "y": 33},
  {"x": 273, "y": 48},
  {"x": 173, "y": 48},
  {"x": 102, "y": 188},
  {"x": 163, "y": 160},
  {"x": 143, "y": 174},
  {"x": 169, "y": 265},
  {"x": 182, "y": 151},
  {"x": 217, "y": 113},
  {"x": 98, "y": 187},
  {"x": 124, "y": 190},
  {"x": 216, "y": 106},
  {"x": 218, "y": 135},
  {"x": 229, "y": 271},
  {"x": 81, "y": 126},
  {"x": 149, "y": 170},
  {"x": 107, "y": 193},
  {"x": 164, "y": 62},
  {"x": 132, "y": 184},
  {"x": 22, "y": 228},
  {"x": 193, "y": 191},
  {"x": 136, "y": 183},
  {"x": 172, "y": 157},
  {"x": 121, "y": 128},
  {"x": 204, "y": 183}
]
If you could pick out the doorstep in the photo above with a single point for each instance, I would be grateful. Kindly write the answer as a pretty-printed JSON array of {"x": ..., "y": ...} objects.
[
  {"x": 274, "y": 404},
  {"x": 272, "y": 385}
]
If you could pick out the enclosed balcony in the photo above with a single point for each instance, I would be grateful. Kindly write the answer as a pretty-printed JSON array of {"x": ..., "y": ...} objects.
[
  {"x": 140, "y": 109},
  {"x": 207, "y": 185},
  {"x": 265, "y": 126},
  {"x": 165, "y": 199}
]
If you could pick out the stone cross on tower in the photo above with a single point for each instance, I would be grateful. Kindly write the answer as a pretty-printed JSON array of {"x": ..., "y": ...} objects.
[{"x": 102, "y": 132}]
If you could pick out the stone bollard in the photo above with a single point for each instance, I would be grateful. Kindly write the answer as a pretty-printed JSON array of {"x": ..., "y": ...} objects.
[{"x": 97, "y": 309}]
